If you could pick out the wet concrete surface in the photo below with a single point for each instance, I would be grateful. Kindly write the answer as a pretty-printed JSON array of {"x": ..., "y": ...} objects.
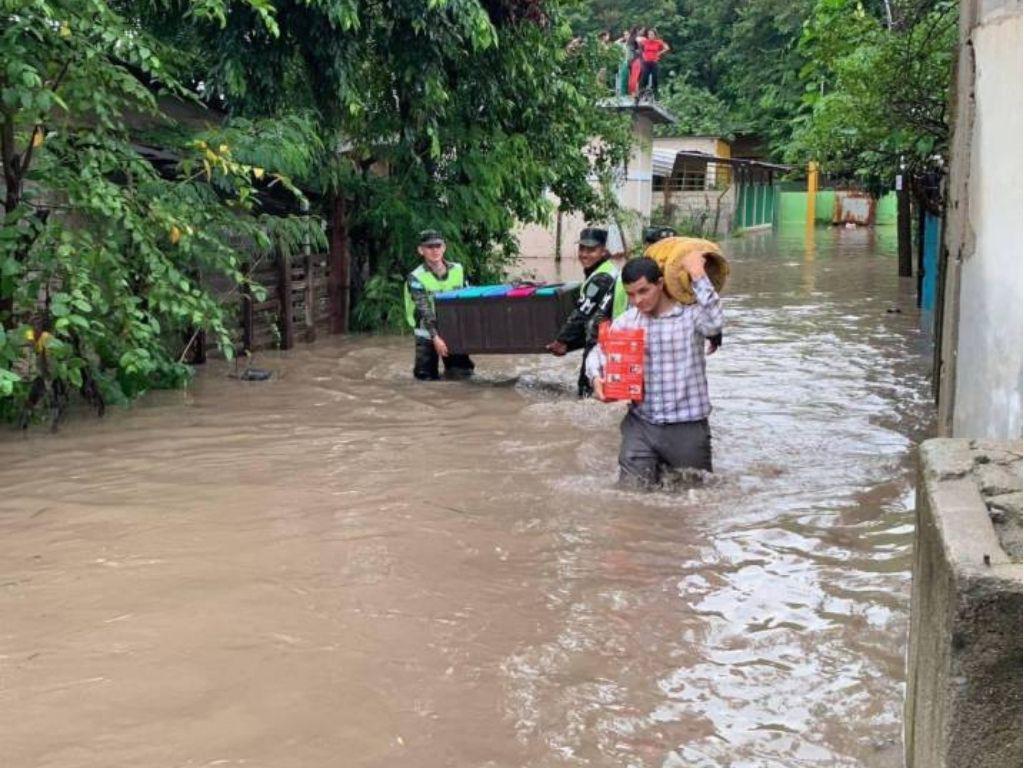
[{"x": 343, "y": 567}]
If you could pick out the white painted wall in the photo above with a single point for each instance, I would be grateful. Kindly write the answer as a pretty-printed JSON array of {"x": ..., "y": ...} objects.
[
  {"x": 988, "y": 393},
  {"x": 707, "y": 144},
  {"x": 635, "y": 193},
  {"x": 537, "y": 243}
]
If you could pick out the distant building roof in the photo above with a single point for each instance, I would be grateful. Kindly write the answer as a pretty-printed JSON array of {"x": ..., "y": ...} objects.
[
  {"x": 667, "y": 139},
  {"x": 664, "y": 161},
  {"x": 653, "y": 111}
]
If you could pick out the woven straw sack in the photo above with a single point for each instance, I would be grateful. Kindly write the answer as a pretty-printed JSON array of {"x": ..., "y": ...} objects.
[{"x": 670, "y": 252}]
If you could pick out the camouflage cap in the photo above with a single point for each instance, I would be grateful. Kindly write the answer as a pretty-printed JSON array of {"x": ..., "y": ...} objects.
[
  {"x": 431, "y": 237},
  {"x": 592, "y": 237}
]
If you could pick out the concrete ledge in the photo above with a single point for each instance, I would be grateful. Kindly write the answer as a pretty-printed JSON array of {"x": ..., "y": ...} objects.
[{"x": 964, "y": 661}]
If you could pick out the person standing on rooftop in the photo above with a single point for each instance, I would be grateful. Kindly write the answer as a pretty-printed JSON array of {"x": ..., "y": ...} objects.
[
  {"x": 627, "y": 47},
  {"x": 652, "y": 48}
]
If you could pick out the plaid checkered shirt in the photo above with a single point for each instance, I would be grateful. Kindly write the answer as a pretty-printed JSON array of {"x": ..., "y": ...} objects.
[{"x": 675, "y": 378}]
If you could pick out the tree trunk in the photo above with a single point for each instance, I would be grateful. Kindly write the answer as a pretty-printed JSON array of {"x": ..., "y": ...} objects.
[
  {"x": 12, "y": 197},
  {"x": 558, "y": 237},
  {"x": 906, "y": 264},
  {"x": 338, "y": 284},
  {"x": 920, "y": 206}
]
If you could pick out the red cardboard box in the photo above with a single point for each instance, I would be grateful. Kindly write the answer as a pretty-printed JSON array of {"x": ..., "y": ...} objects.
[{"x": 624, "y": 362}]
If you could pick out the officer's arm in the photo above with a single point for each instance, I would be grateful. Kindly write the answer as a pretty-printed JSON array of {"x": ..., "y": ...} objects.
[
  {"x": 577, "y": 329},
  {"x": 574, "y": 331},
  {"x": 603, "y": 308},
  {"x": 424, "y": 310}
]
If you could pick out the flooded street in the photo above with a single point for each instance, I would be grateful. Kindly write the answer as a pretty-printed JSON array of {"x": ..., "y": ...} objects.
[{"x": 342, "y": 567}]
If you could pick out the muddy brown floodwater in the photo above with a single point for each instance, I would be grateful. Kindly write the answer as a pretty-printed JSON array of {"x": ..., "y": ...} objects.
[{"x": 342, "y": 567}]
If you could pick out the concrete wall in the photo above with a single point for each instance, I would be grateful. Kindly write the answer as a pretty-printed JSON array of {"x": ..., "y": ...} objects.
[
  {"x": 538, "y": 242},
  {"x": 791, "y": 207},
  {"x": 963, "y": 707},
  {"x": 885, "y": 210},
  {"x": 633, "y": 191},
  {"x": 711, "y": 145},
  {"x": 981, "y": 369},
  {"x": 697, "y": 205}
]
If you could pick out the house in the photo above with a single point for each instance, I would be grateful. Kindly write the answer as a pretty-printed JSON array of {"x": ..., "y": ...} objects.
[
  {"x": 702, "y": 188},
  {"x": 550, "y": 251}
]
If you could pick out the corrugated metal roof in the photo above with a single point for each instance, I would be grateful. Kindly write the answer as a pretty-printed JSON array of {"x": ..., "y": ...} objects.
[{"x": 664, "y": 161}]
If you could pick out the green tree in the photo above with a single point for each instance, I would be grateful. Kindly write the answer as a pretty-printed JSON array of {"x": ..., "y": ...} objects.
[
  {"x": 472, "y": 110},
  {"x": 759, "y": 68},
  {"x": 877, "y": 92},
  {"x": 107, "y": 247},
  {"x": 740, "y": 56},
  {"x": 698, "y": 112}
]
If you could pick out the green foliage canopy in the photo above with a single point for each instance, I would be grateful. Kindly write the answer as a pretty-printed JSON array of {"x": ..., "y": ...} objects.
[
  {"x": 458, "y": 115},
  {"x": 736, "y": 62},
  {"x": 107, "y": 247},
  {"x": 877, "y": 94}
]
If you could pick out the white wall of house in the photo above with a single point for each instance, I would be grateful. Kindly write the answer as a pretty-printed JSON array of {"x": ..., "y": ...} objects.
[
  {"x": 980, "y": 380},
  {"x": 633, "y": 191},
  {"x": 711, "y": 145}
]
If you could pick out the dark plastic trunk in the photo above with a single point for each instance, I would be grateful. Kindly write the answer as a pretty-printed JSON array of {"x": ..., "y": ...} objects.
[{"x": 502, "y": 325}]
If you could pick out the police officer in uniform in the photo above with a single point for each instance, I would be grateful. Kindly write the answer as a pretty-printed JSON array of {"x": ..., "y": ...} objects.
[
  {"x": 594, "y": 303},
  {"x": 434, "y": 275}
]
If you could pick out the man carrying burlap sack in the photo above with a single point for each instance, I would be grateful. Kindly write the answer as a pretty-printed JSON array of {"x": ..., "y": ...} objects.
[
  {"x": 669, "y": 428},
  {"x": 677, "y": 247}
]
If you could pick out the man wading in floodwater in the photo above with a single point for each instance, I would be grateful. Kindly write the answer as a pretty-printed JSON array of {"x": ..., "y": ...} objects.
[
  {"x": 434, "y": 275},
  {"x": 669, "y": 428},
  {"x": 594, "y": 302}
]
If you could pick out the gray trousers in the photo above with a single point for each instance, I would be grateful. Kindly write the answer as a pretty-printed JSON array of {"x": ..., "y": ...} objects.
[{"x": 650, "y": 449}]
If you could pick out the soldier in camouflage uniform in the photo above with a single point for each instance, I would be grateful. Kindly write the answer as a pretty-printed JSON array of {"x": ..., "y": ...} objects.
[
  {"x": 434, "y": 275},
  {"x": 594, "y": 302}
]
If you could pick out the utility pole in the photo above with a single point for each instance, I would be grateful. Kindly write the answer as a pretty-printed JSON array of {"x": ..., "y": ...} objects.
[
  {"x": 558, "y": 237},
  {"x": 812, "y": 192},
  {"x": 338, "y": 275},
  {"x": 903, "y": 242}
]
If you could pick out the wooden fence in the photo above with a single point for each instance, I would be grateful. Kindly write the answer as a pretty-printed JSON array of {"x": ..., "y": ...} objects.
[{"x": 296, "y": 306}]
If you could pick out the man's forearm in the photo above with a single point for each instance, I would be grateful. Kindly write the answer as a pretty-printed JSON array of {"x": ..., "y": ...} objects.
[
  {"x": 594, "y": 363},
  {"x": 710, "y": 317}
]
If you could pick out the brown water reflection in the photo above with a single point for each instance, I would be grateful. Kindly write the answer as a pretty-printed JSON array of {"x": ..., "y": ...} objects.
[{"x": 341, "y": 567}]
